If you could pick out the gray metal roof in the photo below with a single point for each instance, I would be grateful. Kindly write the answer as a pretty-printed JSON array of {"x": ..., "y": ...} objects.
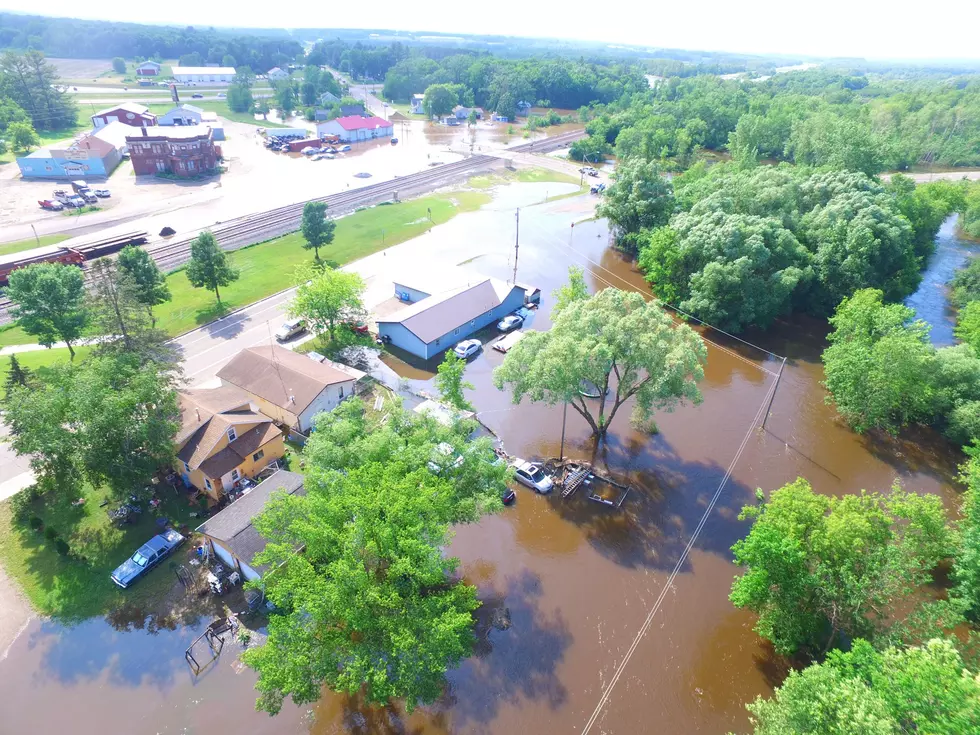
[
  {"x": 233, "y": 526},
  {"x": 439, "y": 314}
]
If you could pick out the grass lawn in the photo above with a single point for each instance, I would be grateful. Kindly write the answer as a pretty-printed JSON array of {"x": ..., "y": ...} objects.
[
  {"x": 11, "y": 334},
  {"x": 39, "y": 359},
  {"x": 48, "y": 137},
  {"x": 271, "y": 266},
  {"x": 15, "y": 247},
  {"x": 77, "y": 587},
  {"x": 524, "y": 175}
]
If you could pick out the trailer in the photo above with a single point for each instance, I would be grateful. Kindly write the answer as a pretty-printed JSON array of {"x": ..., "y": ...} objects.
[
  {"x": 505, "y": 344},
  {"x": 49, "y": 254}
]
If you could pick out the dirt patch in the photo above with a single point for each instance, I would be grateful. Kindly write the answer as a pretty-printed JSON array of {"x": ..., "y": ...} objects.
[{"x": 81, "y": 68}]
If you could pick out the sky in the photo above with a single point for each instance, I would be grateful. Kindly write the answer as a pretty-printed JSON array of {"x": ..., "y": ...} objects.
[{"x": 873, "y": 29}]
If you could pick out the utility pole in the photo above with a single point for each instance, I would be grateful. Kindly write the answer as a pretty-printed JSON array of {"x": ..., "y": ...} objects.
[
  {"x": 564, "y": 413},
  {"x": 517, "y": 237},
  {"x": 36, "y": 237}
]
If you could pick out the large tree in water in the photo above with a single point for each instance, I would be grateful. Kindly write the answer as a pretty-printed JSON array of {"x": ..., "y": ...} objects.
[{"x": 626, "y": 347}]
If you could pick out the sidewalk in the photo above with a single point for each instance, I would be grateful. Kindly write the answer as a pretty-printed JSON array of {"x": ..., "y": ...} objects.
[{"x": 15, "y": 349}]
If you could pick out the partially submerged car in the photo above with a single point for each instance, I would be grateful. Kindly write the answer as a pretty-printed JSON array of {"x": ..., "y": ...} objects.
[
  {"x": 146, "y": 557},
  {"x": 509, "y": 322},
  {"x": 532, "y": 476},
  {"x": 467, "y": 348}
]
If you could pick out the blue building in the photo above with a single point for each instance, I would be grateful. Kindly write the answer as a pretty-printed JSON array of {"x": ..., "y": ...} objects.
[
  {"x": 93, "y": 155},
  {"x": 432, "y": 323}
]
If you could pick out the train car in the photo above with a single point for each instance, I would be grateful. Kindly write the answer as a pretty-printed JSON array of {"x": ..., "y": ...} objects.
[
  {"x": 49, "y": 254},
  {"x": 106, "y": 246}
]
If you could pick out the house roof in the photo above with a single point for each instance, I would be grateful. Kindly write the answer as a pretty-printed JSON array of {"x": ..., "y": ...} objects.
[
  {"x": 418, "y": 97},
  {"x": 149, "y": 62},
  {"x": 439, "y": 314},
  {"x": 170, "y": 132},
  {"x": 280, "y": 376},
  {"x": 275, "y": 68},
  {"x": 233, "y": 525},
  {"x": 183, "y": 106},
  {"x": 202, "y": 70},
  {"x": 114, "y": 133},
  {"x": 206, "y": 416},
  {"x": 356, "y": 122},
  {"x": 246, "y": 444}
]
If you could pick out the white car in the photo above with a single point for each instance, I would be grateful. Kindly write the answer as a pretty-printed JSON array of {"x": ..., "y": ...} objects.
[
  {"x": 532, "y": 476},
  {"x": 102, "y": 193},
  {"x": 509, "y": 322},
  {"x": 467, "y": 348},
  {"x": 290, "y": 329}
]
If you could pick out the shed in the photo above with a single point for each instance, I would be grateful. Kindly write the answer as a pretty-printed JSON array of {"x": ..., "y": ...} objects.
[
  {"x": 230, "y": 535},
  {"x": 148, "y": 69}
]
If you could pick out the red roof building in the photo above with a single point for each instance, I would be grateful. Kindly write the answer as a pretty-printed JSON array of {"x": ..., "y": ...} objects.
[
  {"x": 128, "y": 113},
  {"x": 354, "y": 128}
]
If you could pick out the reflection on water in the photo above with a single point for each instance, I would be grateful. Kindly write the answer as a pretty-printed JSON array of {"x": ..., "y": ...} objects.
[{"x": 566, "y": 584}]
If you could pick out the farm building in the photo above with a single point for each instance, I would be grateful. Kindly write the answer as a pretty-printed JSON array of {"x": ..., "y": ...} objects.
[
  {"x": 203, "y": 74},
  {"x": 275, "y": 74},
  {"x": 128, "y": 113},
  {"x": 289, "y": 387},
  {"x": 355, "y": 127},
  {"x": 230, "y": 535},
  {"x": 90, "y": 155},
  {"x": 181, "y": 150},
  {"x": 435, "y": 322},
  {"x": 148, "y": 69}
]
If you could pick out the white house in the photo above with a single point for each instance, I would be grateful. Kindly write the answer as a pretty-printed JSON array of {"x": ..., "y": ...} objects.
[
  {"x": 328, "y": 98},
  {"x": 184, "y": 115},
  {"x": 417, "y": 100},
  {"x": 355, "y": 127},
  {"x": 288, "y": 387},
  {"x": 203, "y": 74},
  {"x": 275, "y": 74}
]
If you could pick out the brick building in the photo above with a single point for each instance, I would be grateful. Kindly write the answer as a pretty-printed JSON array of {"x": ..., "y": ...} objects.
[{"x": 181, "y": 150}]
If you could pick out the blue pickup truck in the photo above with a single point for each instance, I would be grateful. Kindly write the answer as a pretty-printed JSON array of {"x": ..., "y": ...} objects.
[{"x": 146, "y": 557}]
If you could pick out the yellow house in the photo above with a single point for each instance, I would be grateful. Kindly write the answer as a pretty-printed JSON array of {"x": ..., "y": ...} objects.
[{"x": 222, "y": 440}]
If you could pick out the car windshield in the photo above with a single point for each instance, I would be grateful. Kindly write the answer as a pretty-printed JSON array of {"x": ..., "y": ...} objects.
[
  {"x": 140, "y": 559},
  {"x": 536, "y": 474}
]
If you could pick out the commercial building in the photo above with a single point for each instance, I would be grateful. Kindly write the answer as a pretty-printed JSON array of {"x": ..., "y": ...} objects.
[
  {"x": 230, "y": 535},
  {"x": 289, "y": 387},
  {"x": 435, "y": 321},
  {"x": 128, "y": 113},
  {"x": 180, "y": 150},
  {"x": 87, "y": 156},
  {"x": 186, "y": 115},
  {"x": 203, "y": 74},
  {"x": 221, "y": 440},
  {"x": 355, "y": 128},
  {"x": 148, "y": 69}
]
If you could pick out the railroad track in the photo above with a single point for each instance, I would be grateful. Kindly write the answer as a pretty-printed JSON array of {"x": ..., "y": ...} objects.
[{"x": 255, "y": 228}]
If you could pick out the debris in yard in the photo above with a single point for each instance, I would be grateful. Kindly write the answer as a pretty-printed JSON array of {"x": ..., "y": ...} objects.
[{"x": 167, "y": 232}]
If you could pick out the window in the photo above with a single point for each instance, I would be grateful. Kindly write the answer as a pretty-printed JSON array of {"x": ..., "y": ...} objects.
[
  {"x": 190, "y": 165},
  {"x": 456, "y": 331},
  {"x": 473, "y": 323},
  {"x": 231, "y": 434},
  {"x": 207, "y": 484},
  {"x": 235, "y": 475},
  {"x": 258, "y": 455},
  {"x": 161, "y": 166},
  {"x": 341, "y": 391},
  {"x": 187, "y": 468}
]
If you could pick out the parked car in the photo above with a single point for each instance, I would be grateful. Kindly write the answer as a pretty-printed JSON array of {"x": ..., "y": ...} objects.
[
  {"x": 358, "y": 327},
  {"x": 89, "y": 196},
  {"x": 467, "y": 348},
  {"x": 344, "y": 148},
  {"x": 444, "y": 459},
  {"x": 147, "y": 556},
  {"x": 509, "y": 322},
  {"x": 74, "y": 201},
  {"x": 532, "y": 476},
  {"x": 53, "y": 204},
  {"x": 508, "y": 496},
  {"x": 60, "y": 194},
  {"x": 284, "y": 149},
  {"x": 394, "y": 141},
  {"x": 221, "y": 95},
  {"x": 290, "y": 329},
  {"x": 102, "y": 193},
  {"x": 317, "y": 157},
  {"x": 197, "y": 96}
]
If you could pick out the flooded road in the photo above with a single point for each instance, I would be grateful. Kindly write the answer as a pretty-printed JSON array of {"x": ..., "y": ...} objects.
[{"x": 618, "y": 623}]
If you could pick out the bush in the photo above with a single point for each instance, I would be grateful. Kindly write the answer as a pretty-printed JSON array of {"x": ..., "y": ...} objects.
[
  {"x": 62, "y": 547},
  {"x": 35, "y": 523},
  {"x": 964, "y": 423},
  {"x": 50, "y": 533}
]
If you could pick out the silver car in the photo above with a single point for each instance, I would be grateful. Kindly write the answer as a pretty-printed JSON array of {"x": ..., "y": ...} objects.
[
  {"x": 532, "y": 476},
  {"x": 290, "y": 329}
]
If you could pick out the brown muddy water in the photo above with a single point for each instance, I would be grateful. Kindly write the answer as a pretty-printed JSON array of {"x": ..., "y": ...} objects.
[{"x": 615, "y": 627}]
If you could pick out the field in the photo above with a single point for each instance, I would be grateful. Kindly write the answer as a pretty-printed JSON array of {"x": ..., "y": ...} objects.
[
  {"x": 15, "y": 247},
  {"x": 271, "y": 266},
  {"x": 99, "y": 72}
]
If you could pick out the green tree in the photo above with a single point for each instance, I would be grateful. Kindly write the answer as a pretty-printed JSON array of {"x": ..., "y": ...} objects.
[
  {"x": 826, "y": 139},
  {"x": 307, "y": 92},
  {"x": 317, "y": 230},
  {"x": 119, "y": 65},
  {"x": 240, "y": 99},
  {"x": 616, "y": 340},
  {"x": 450, "y": 383},
  {"x": 32, "y": 83},
  {"x": 440, "y": 99},
  {"x": 49, "y": 302},
  {"x": 229, "y": 61},
  {"x": 879, "y": 364},
  {"x": 151, "y": 284},
  {"x": 966, "y": 284},
  {"x": 372, "y": 606},
  {"x": 819, "y": 567},
  {"x": 471, "y": 118},
  {"x": 966, "y": 562},
  {"x": 900, "y": 690},
  {"x": 117, "y": 314},
  {"x": 327, "y": 297},
  {"x": 285, "y": 98},
  {"x": 641, "y": 198},
  {"x": 208, "y": 267},
  {"x": 22, "y": 136},
  {"x": 18, "y": 376},
  {"x": 574, "y": 290}
]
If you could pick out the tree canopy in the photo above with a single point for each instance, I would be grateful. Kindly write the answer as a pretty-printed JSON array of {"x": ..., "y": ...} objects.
[
  {"x": 49, "y": 302},
  {"x": 327, "y": 297},
  {"x": 450, "y": 383},
  {"x": 208, "y": 267},
  {"x": 317, "y": 230},
  {"x": 818, "y": 567},
  {"x": 149, "y": 282},
  {"x": 627, "y": 347},
  {"x": 641, "y": 198},
  {"x": 372, "y": 605}
]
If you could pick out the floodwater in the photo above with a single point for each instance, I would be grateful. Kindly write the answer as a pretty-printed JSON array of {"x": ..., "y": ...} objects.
[{"x": 619, "y": 624}]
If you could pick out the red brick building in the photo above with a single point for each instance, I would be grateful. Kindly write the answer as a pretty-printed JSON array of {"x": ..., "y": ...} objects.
[{"x": 180, "y": 150}]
